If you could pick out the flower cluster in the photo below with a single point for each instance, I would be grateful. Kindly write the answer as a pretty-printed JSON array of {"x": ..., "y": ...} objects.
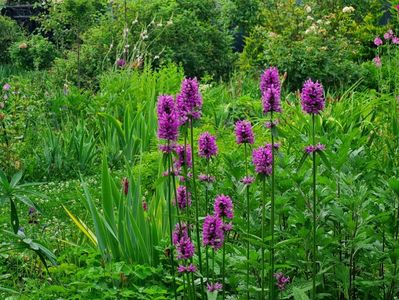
[
  {"x": 206, "y": 178},
  {"x": 183, "y": 157},
  {"x": 262, "y": 159},
  {"x": 207, "y": 145},
  {"x": 314, "y": 148},
  {"x": 281, "y": 281},
  {"x": 184, "y": 245},
  {"x": 247, "y": 180},
  {"x": 214, "y": 287},
  {"x": 312, "y": 97},
  {"x": 244, "y": 134},
  {"x": 180, "y": 232},
  {"x": 212, "y": 232},
  {"x": 189, "y": 101},
  {"x": 223, "y": 207},
  {"x": 168, "y": 124},
  {"x": 191, "y": 268},
  {"x": 271, "y": 90},
  {"x": 185, "y": 248},
  {"x": 183, "y": 197}
]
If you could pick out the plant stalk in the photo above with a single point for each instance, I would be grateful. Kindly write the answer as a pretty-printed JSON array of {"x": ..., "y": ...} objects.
[
  {"x": 314, "y": 270},
  {"x": 170, "y": 225},
  {"x": 263, "y": 237},
  {"x": 196, "y": 208},
  {"x": 248, "y": 213},
  {"x": 271, "y": 281}
]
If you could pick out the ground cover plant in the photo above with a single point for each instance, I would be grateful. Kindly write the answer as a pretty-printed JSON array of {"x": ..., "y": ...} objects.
[{"x": 200, "y": 150}]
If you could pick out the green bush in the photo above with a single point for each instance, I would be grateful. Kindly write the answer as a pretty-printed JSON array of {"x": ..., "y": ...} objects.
[
  {"x": 309, "y": 41},
  {"x": 34, "y": 53},
  {"x": 10, "y": 32},
  {"x": 194, "y": 35}
]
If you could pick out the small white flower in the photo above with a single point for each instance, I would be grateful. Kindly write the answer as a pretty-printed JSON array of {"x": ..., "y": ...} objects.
[
  {"x": 348, "y": 10},
  {"x": 309, "y": 18},
  {"x": 308, "y": 9}
]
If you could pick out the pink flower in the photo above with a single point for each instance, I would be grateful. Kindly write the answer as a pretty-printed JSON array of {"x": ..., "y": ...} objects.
[
  {"x": 395, "y": 40},
  {"x": 388, "y": 35},
  {"x": 378, "y": 41},
  {"x": 377, "y": 61}
]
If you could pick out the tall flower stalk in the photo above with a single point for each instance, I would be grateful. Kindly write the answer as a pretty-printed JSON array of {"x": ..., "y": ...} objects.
[
  {"x": 270, "y": 87},
  {"x": 312, "y": 101},
  {"x": 244, "y": 135},
  {"x": 262, "y": 160},
  {"x": 223, "y": 208},
  {"x": 207, "y": 149},
  {"x": 189, "y": 105},
  {"x": 168, "y": 128}
]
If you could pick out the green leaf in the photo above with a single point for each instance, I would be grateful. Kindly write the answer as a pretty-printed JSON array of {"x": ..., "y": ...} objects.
[
  {"x": 299, "y": 294},
  {"x": 302, "y": 161},
  {"x": 394, "y": 185},
  {"x": 324, "y": 158},
  {"x": 14, "y": 217}
]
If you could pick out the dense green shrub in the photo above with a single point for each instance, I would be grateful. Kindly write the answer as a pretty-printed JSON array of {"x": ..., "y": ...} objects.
[
  {"x": 192, "y": 35},
  {"x": 10, "y": 32},
  {"x": 304, "y": 44},
  {"x": 34, "y": 53}
]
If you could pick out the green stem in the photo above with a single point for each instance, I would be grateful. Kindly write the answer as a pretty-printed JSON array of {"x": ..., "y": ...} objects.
[
  {"x": 207, "y": 212},
  {"x": 314, "y": 212},
  {"x": 248, "y": 212},
  {"x": 196, "y": 208},
  {"x": 223, "y": 267},
  {"x": 171, "y": 227},
  {"x": 271, "y": 281},
  {"x": 263, "y": 237}
]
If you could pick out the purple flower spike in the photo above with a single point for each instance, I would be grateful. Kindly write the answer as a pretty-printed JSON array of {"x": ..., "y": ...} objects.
[
  {"x": 378, "y": 41},
  {"x": 312, "y": 96},
  {"x": 183, "y": 157},
  {"x": 168, "y": 124},
  {"x": 314, "y": 148},
  {"x": 227, "y": 227},
  {"x": 212, "y": 232},
  {"x": 282, "y": 281},
  {"x": 262, "y": 159},
  {"x": 207, "y": 145},
  {"x": 179, "y": 233},
  {"x": 223, "y": 207},
  {"x": 271, "y": 89},
  {"x": 247, "y": 180},
  {"x": 189, "y": 101},
  {"x": 167, "y": 148},
  {"x": 185, "y": 248},
  {"x": 181, "y": 269},
  {"x": 183, "y": 197},
  {"x": 191, "y": 268},
  {"x": 244, "y": 134},
  {"x": 214, "y": 287},
  {"x": 206, "y": 178}
]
